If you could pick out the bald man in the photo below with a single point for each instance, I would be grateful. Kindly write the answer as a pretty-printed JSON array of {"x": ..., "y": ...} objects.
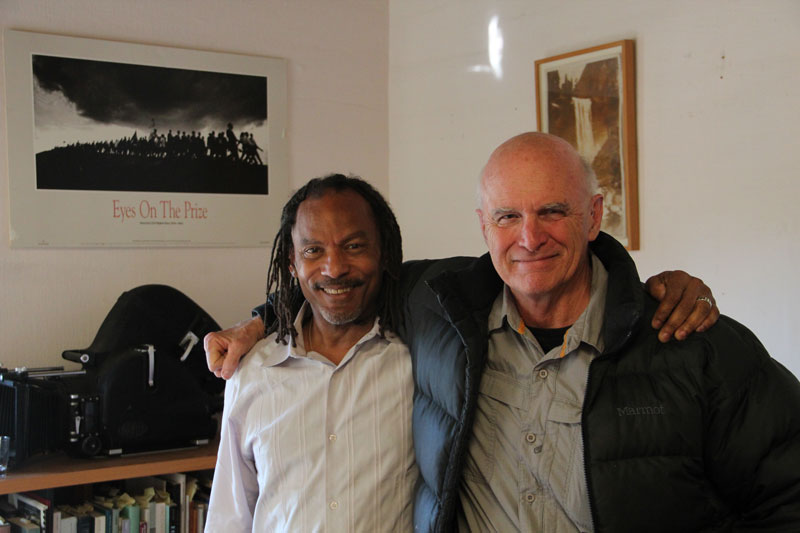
[{"x": 545, "y": 402}]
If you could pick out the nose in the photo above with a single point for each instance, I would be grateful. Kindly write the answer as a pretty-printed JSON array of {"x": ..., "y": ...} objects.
[
  {"x": 531, "y": 234},
  {"x": 336, "y": 264}
]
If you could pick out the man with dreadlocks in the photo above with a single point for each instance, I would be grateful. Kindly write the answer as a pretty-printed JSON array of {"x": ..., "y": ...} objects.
[{"x": 316, "y": 429}]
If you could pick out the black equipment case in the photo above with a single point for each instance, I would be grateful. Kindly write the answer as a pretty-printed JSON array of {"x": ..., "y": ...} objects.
[{"x": 144, "y": 384}]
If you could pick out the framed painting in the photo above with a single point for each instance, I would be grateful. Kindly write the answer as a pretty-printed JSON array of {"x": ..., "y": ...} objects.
[
  {"x": 131, "y": 145},
  {"x": 588, "y": 97}
]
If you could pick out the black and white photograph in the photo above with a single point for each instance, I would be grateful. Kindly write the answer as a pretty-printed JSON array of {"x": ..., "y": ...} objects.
[
  {"x": 136, "y": 145},
  {"x": 101, "y": 125}
]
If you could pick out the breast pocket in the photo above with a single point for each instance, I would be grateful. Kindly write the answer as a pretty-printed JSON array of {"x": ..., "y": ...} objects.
[{"x": 499, "y": 400}]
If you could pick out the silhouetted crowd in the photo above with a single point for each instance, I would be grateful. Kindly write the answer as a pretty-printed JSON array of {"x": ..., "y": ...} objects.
[{"x": 181, "y": 145}]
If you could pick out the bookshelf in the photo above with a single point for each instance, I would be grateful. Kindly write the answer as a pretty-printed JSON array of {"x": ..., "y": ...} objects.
[{"x": 61, "y": 470}]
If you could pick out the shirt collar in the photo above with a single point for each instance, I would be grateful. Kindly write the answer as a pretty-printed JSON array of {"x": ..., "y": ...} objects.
[
  {"x": 504, "y": 313},
  {"x": 277, "y": 357},
  {"x": 587, "y": 328}
]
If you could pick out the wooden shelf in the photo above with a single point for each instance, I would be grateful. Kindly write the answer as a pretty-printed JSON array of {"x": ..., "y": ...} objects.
[{"x": 60, "y": 470}]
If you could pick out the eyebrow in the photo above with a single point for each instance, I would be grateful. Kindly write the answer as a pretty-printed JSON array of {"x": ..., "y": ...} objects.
[
  {"x": 355, "y": 235},
  {"x": 503, "y": 210},
  {"x": 553, "y": 206}
]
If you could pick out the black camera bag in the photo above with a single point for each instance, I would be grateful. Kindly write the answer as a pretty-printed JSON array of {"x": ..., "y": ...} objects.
[{"x": 147, "y": 386}]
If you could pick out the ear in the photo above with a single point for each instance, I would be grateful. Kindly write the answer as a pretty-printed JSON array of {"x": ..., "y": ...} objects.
[
  {"x": 479, "y": 212},
  {"x": 596, "y": 216}
]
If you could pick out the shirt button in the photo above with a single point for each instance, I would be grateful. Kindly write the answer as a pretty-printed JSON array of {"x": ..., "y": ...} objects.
[
  {"x": 543, "y": 373},
  {"x": 334, "y": 505},
  {"x": 332, "y": 437},
  {"x": 531, "y": 438},
  {"x": 530, "y": 498}
]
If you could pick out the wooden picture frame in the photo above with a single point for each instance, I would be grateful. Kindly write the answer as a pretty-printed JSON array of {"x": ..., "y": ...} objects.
[{"x": 588, "y": 97}]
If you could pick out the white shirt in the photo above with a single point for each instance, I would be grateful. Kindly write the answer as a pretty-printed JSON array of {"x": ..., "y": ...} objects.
[{"x": 310, "y": 446}]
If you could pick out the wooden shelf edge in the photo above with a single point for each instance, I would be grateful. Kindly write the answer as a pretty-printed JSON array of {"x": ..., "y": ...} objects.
[{"x": 60, "y": 470}]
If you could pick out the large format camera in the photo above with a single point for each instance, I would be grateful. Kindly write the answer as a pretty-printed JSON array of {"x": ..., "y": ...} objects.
[{"x": 143, "y": 385}]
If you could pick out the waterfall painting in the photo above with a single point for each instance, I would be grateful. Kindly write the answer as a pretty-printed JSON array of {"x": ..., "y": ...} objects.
[
  {"x": 132, "y": 145},
  {"x": 588, "y": 98}
]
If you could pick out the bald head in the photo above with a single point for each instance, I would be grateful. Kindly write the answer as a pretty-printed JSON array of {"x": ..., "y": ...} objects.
[{"x": 537, "y": 149}]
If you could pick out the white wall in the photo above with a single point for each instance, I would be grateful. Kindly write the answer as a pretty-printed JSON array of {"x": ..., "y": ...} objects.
[
  {"x": 718, "y": 139},
  {"x": 718, "y": 120},
  {"x": 52, "y": 300}
]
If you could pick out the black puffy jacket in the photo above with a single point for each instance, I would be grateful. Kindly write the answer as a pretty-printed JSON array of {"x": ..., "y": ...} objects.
[{"x": 699, "y": 435}]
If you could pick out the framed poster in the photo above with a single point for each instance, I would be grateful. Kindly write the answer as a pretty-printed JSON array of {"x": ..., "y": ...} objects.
[
  {"x": 588, "y": 98},
  {"x": 130, "y": 145}
]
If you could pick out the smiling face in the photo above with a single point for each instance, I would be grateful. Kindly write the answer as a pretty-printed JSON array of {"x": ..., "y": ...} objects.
[
  {"x": 538, "y": 217},
  {"x": 336, "y": 257}
]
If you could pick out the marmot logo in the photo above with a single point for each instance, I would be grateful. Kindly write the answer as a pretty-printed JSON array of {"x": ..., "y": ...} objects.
[{"x": 640, "y": 410}]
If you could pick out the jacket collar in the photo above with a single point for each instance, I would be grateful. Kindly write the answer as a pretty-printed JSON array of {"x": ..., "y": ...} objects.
[
  {"x": 625, "y": 298},
  {"x": 474, "y": 289},
  {"x": 470, "y": 290}
]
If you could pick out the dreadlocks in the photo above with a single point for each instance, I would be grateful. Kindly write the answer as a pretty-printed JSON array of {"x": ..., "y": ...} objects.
[{"x": 283, "y": 291}]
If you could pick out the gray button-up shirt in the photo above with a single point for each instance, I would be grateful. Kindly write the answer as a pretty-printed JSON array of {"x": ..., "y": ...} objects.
[{"x": 524, "y": 468}]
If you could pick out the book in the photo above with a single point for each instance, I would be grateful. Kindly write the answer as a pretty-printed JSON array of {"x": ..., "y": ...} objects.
[
  {"x": 69, "y": 522},
  {"x": 21, "y": 524},
  {"x": 192, "y": 524},
  {"x": 137, "y": 510},
  {"x": 145, "y": 517},
  {"x": 176, "y": 487},
  {"x": 99, "y": 521},
  {"x": 159, "y": 516},
  {"x": 131, "y": 514},
  {"x": 111, "y": 515},
  {"x": 201, "y": 516},
  {"x": 85, "y": 523},
  {"x": 30, "y": 508},
  {"x": 45, "y": 497},
  {"x": 55, "y": 519},
  {"x": 201, "y": 499},
  {"x": 173, "y": 517}
]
